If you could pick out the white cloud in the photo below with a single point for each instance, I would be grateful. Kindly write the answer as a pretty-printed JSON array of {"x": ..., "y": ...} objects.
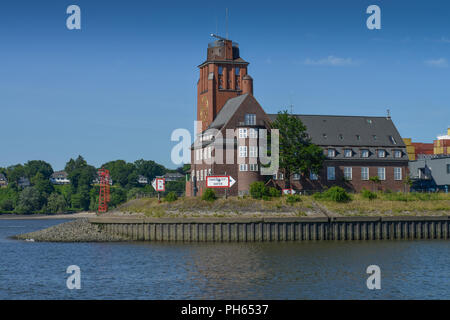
[
  {"x": 330, "y": 61},
  {"x": 445, "y": 40},
  {"x": 439, "y": 63}
]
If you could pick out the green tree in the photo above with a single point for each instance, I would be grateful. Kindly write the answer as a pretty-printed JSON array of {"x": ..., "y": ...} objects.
[
  {"x": 30, "y": 201},
  {"x": 15, "y": 172},
  {"x": 56, "y": 203},
  {"x": 121, "y": 171},
  {"x": 297, "y": 153},
  {"x": 34, "y": 167},
  {"x": 149, "y": 168}
]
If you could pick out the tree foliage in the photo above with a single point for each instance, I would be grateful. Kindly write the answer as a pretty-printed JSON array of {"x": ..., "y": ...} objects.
[{"x": 297, "y": 153}]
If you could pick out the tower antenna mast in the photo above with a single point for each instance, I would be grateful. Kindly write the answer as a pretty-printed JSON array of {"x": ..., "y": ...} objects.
[{"x": 226, "y": 23}]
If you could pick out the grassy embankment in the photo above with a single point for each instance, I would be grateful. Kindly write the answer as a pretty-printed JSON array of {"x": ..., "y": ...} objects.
[
  {"x": 385, "y": 204},
  {"x": 233, "y": 206},
  {"x": 391, "y": 204}
]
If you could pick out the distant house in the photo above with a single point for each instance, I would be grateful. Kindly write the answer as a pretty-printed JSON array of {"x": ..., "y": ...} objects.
[
  {"x": 59, "y": 177},
  {"x": 173, "y": 176},
  {"x": 3, "y": 180},
  {"x": 142, "y": 179},
  {"x": 23, "y": 182}
]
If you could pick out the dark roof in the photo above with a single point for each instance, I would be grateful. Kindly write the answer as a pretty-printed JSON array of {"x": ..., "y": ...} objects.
[
  {"x": 227, "y": 111},
  {"x": 58, "y": 174},
  {"x": 327, "y": 130},
  {"x": 2, "y": 176}
]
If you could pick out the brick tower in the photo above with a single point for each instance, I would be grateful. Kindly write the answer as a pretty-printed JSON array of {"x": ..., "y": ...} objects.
[{"x": 222, "y": 76}]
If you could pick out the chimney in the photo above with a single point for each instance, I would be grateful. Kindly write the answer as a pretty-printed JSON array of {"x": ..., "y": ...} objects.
[{"x": 247, "y": 84}]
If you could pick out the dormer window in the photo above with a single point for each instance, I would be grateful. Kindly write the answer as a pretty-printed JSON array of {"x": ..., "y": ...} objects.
[
  {"x": 348, "y": 153},
  {"x": 341, "y": 137},
  {"x": 381, "y": 153},
  {"x": 358, "y": 137},
  {"x": 331, "y": 153},
  {"x": 391, "y": 138},
  {"x": 397, "y": 153},
  {"x": 364, "y": 153}
]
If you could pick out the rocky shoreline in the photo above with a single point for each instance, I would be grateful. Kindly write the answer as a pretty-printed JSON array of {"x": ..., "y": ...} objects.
[{"x": 79, "y": 230}]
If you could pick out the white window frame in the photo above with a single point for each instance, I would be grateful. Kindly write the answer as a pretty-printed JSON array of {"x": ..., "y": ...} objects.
[
  {"x": 242, "y": 151},
  {"x": 331, "y": 153},
  {"x": 243, "y": 167},
  {"x": 296, "y": 176},
  {"x": 253, "y": 167},
  {"x": 250, "y": 119},
  {"x": 398, "y": 173},
  {"x": 346, "y": 153},
  {"x": 331, "y": 177},
  {"x": 397, "y": 153},
  {"x": 348, "y": 170},
  {"x": 253, "y": 133},
  {"x": 381, "y": 153},
  {"x": 365, "y": 153},
  {"x": 242, "y": 133},
  {"x": 365, "y": 173},
  {"x": 253, "y": 152},
  {"x": 381, "y": 172},
  {"x": 201, "y": 175}
]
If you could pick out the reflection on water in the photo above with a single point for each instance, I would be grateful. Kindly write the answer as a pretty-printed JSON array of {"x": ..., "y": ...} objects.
[{"x": 314, "y": 270}]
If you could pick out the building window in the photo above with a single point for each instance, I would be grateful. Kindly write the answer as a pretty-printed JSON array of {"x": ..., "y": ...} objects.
[
  {"x": 250, "y": 119},
  {"x": 209, "y": 171},
  {"x": 242, "y": 133},
  {"x": 341, "y": 137},
  {"x": 296, "y": 176},
  {"x": 448, "y": 169},
  {"x": 253, "y": 167},
  {"x": 253, "y": 151},
  {"x": 242, "y": 151},
  {"x": 331, "y": 153},
  {"x": 201, "y": 175},
  {"x": 364, "y": 173},
  {"x": 237, "y": 71},
  {"x": 348, "y": 173},
  {"x": 331, "y": 173},
  {"x": 397, "y": 154},
  {"x": 391, "y": 138},
  {"x": 364, "y": 153},
  {"x": 348, "y": 153},
  {"x": 281, "y": 176},
  {"x": 382, "y": 173},
  {"x": 243, "y": 167},
  {"x": 313, "y": 176},
  {"x": 397, "y": 174},
  {"x": 220, "y": 70},
  {"x": 253, "y": 133},
  {"x": 381, "y": 153},
  {"x": 358, "y": 137},
  {"x": 275, "y": 177}
]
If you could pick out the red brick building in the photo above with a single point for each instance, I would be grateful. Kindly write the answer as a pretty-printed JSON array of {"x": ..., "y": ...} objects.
[{"x": 357, "y": 147}]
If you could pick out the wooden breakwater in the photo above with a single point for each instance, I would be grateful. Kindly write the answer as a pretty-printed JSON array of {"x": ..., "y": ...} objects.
[{"x": 276, "y": 229}]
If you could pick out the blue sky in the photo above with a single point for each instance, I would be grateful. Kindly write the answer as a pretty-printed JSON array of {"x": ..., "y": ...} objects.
[{"x": 117, "y": 88}]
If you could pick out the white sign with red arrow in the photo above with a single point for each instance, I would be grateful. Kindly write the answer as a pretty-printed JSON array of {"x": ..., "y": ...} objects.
[
  {"x": 219, "y": 181},
  {"x": 159, "y": 184}
]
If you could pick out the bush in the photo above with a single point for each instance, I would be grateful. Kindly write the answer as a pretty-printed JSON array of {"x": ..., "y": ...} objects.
[
  {"x": 7, "y": 205},
  {"x": 274, "y": 192},
  {"x": 293, "y": 198},
  {"x": 171, "y": 196},
  {"x": 266, "y": 198},
  {"x": 336, "y": 194},
  {"x": 366, "y": 194},
  {"x": 209, "y": 195},
  {"x": 258, "y": 190}
]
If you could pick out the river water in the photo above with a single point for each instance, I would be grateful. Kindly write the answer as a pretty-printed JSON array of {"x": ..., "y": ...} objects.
[{"x": 310, "y": 270}]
